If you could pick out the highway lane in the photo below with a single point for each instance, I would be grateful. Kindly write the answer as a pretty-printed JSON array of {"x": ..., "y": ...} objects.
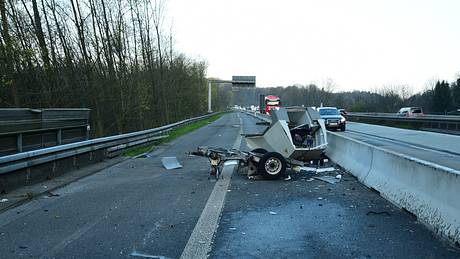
[
  {"x": 304, "y": 218},
  {"x": 442, "y": 149},
  {"x": 139, "y": 208},
  {"x": 134, "y": 207}
]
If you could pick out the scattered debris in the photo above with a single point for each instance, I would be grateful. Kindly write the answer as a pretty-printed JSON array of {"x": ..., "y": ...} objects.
[
  {"x": 273, "y": 213},
  {"x": 233, "y": 229},
  {"x": 4, "y": 200},
  {"x": 378, "y": 213},
  {"x": 320, "y": 198},
  {"x": 50, "y": 194},
  {"x": 243, "y": 233},
  {"x": 317, "y": 170},
  {"x": 255, "y": 177},
  {"x": 326, "y": 169},
  {"x": 311, "y": 179},
  {"x": 146, "y": 155},
  {"x": 144, "y": 255},
  {"x": 170, "y": 163},
  {"x": 339, "y": 176},
  {"x": 308, "y": 169},
  {"x": 328, "y": 179},
  {"x": 287, "y": 178}
]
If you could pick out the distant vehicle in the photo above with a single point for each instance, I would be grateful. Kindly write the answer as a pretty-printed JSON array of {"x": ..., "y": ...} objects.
[
  {"x": 271, "y": 102},
  {"x": 343, "y": 112},
  {"x": 454, "y": 112},
  {"x": 410, "y": 112},
  {"x": 332, "y": 118}
]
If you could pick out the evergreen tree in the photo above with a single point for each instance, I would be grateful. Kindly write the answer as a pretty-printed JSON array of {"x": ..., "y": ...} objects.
[
  {"x": 442, "y": 100},
  {"x": 456, "y": 94}
]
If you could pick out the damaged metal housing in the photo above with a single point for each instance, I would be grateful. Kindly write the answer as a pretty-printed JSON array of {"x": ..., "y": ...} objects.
[
  {"x": 294, "y": 137},
  {"x": 296, "y": 133}
]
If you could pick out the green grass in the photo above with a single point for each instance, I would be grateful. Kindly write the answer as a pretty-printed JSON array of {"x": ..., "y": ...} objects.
[{"x": 172, "y": 136}]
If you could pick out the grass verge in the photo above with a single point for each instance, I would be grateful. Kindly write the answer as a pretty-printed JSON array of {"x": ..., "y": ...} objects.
[{"x": 172, "y": 135}]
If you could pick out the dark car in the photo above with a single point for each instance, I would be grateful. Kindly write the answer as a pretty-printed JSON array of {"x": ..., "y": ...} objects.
[{"x": 332, "y": 118}]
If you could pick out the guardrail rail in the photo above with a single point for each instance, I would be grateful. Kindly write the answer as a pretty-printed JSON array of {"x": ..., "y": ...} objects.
[
  {"x": 437, "y": 123},
  {"x": 34, "y": 166}
]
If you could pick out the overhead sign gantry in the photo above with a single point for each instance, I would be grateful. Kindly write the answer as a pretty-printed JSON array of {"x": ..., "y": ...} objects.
[{"x": 237, "y": 81}]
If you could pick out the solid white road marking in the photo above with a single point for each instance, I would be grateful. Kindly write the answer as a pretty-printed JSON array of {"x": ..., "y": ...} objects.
[{"x": 200, "y": 241}]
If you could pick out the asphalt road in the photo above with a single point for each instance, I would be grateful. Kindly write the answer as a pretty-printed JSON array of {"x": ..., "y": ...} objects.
[
  {"x": 304, "y": 218},
  {"x": 442, "y": 149},
  {"x": 137, "y": 208}
]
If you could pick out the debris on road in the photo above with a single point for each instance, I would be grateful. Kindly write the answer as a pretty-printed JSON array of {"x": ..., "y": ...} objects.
[
  {"x": 378, "y": 213},
  {"x": 318, "y": 169},
  {"x": 50, "y": 194},
  {"x": 308, "y": 169},
  {"x": 4, "y": 200},
  {"x": 288, "y": 178},
  {"x": 144, "y": 255},
  {"x": 146, "y": 155},
  {"x": 325, "y": 169},
  {"x": 273, "y": 213},
  {"x": 320, "y": 198},
  {"x": 309, "y": 180},
  {"x": 170, "y": 163},
  {"x": 328, "y": 179}
]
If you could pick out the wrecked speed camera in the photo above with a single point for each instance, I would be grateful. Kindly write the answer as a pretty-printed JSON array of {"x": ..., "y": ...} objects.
[{"x": 295, "y": 136}]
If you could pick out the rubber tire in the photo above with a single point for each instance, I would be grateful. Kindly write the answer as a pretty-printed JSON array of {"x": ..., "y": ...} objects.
[
  {"x": 261, "y": 166},
  {"x": 259, "y": 151}
]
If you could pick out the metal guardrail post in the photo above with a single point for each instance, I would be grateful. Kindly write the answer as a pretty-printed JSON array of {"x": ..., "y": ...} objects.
[
  {"x": 19, "y": 142},
  {"x": 88, "y": 129},
  {"x": 59, "y": 137}
]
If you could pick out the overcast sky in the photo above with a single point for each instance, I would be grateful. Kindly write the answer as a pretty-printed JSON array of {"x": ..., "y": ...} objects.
[{"x": 359, "y": 44}]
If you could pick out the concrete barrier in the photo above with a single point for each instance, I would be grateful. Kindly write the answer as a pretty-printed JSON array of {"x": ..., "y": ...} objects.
[{"x": 427, "y": 190}]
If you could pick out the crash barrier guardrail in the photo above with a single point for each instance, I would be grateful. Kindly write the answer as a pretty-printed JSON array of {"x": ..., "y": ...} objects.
[
  {"x": 34, "y": 166},
  {"x": 440, "y": 123},
  {"x": 425, "y": 189},
  {"x": 24, "y": 129}
]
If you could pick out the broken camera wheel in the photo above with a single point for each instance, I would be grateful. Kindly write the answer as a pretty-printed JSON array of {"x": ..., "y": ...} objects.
[{"x": 272, "y": 165}]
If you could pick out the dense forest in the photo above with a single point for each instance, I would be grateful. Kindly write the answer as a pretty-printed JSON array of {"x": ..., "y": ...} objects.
[
  {"x": 440, "y": 98},
  {"x": 115, "y": 57}
]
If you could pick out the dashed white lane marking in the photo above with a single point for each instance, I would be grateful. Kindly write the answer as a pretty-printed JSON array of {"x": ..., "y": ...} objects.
[{"x": 200, "y": 241}]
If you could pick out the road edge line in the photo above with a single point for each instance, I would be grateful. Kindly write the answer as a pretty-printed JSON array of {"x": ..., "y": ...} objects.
[{"x": 200, "y": 242}]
